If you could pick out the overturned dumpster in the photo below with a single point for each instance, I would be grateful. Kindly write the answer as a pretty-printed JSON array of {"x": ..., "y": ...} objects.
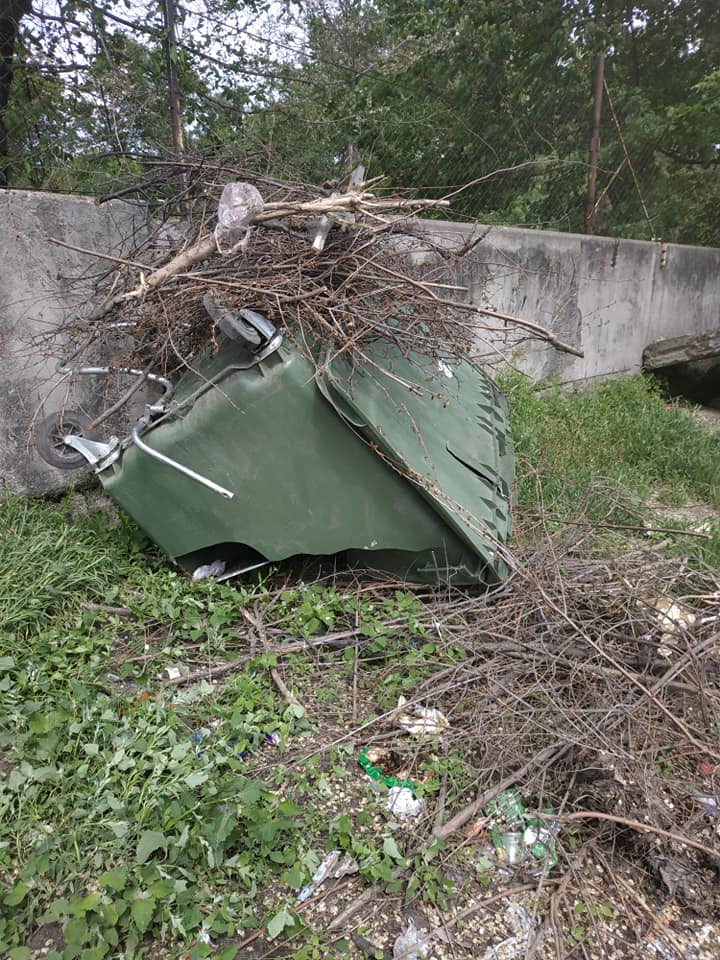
[
  {"x": 318, "y": 396},
  {"x": 256, "y": 456}
]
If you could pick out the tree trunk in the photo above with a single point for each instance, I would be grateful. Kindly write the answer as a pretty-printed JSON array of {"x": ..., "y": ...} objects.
[{"x": 11, "y": 13}]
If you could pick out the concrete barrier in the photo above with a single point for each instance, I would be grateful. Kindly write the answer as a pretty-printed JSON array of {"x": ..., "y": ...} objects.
[
  {"x": 40, "y": 284},
  {"x": 610, "y": 297}
]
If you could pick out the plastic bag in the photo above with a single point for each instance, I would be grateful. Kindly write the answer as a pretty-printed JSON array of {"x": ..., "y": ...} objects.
[
  {"x": 412, "y": 944},
  {"x": 239, "y": 203}
]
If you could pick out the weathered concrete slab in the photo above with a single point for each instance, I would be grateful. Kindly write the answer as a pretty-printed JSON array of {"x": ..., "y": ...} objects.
[
  {"x": 673, "y": 350},
  {"x": 610, "y": 297},
  {"x": 40, "y": 284}
]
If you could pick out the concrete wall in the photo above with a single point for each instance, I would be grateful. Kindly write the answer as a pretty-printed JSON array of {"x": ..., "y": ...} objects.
[
  {"x": 609, "y": 297},
  {"x": 40, "y": 284}
]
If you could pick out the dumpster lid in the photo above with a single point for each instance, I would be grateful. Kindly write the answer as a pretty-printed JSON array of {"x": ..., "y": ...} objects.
[{"x": 442, "y": 425}]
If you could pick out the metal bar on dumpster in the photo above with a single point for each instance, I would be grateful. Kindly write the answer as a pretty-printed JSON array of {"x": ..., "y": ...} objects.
[{"x": 156, "y": 455}]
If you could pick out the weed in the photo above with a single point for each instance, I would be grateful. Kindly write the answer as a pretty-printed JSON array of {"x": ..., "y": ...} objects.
[{"x": 620, "y": 440}]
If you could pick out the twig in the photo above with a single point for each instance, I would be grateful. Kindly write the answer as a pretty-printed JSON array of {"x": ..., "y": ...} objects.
[
  {"x": 553, "y": 752},
  {"x": 257, "y": 622},
  {"x": 106, "y": 608},
  {"x": 642, "y": 827},
  {"x": 623, "y": 526}
]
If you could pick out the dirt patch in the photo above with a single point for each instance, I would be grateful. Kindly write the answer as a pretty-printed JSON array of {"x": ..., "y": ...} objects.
[
  {"x": 47, "y": 937},
  {"x": 709, "y": 417},
  {"x": 6, "y": 767}
]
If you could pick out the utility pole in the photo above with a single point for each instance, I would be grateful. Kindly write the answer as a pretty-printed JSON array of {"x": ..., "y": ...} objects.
[
  {"x": 170, "y": 45},
  {"x": 594, "y": 143}
]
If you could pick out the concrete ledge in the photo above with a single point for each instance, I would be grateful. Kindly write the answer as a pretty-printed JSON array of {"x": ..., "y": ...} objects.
[{"x": 610, "y": 297}]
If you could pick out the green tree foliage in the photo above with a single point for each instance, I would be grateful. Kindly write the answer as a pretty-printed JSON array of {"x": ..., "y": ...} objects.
[
  {"x": 11, "y": 13},
  {"x": 433, "y": 94},
  {"x": 439, "y": 93}
]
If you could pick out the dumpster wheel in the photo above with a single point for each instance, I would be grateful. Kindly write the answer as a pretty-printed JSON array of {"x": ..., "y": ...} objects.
[{"x": 50, "y": 434}]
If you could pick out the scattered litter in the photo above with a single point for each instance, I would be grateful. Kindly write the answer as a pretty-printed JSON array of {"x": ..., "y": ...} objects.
[
  {"x": 239, "y": 203},
  {"x": 391, "y": 768},
  {"x": 173, "y": 672},
  {"x": 385, "y": 766},
  {"x": 712, "y": 810},
  {"x": 423, "y": 721},
  {"x": 671, "y": 615},
  {"x": 335, "y": 865},
  {"x": 521, "y": 925},
  {"x": 204, "y": 937},
  {"x": 203, "y": 734},
  {"x": 412, "y": 944},
  {"x": 402, "y": 803},
  {"x": 656, "y": 948},
  {"x": 214, "y": 569},
  {"x": 706, "y": 769},
  {"x": 517, "y": 839}
]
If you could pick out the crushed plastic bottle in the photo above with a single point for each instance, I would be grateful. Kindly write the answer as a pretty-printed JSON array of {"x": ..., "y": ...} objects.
[
  {"x": 514, "y": 947},
  {"x": 516, "y": 838},
  {"x": 422, "y": 721},
  {"x": 403, "y": 804},
  {"x": 335, "y": 865},
  {"x": 239, "y": 203}
]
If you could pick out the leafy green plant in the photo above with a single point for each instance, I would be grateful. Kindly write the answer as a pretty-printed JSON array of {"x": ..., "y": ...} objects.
[{"x": 604, "y": 450}]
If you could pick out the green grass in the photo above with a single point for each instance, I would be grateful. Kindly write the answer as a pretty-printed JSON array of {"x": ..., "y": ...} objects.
[
  {"x": 47, "y": 562},
  {"x": 602, "y": 452},
  {"x": 115, "y": 823}
]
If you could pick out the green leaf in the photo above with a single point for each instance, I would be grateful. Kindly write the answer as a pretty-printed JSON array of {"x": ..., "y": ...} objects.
[
  {"x": 116, "y": 879},
  {"x": 16, "y": 895},
  {"x": 275, "y": 926},
  {"x": 142, "y": 911},
  {"x": 195, "y": 779},
  {"x": 412, "y": 888},
  {"x": 294, "y": 876},
  {"x": 228, "y": 953},
  {"x": 150, "y": 841},
  {"x": 19, "y": 953},
  {"x": 76, "y": 931},
  {"x": 7, "y": 663},
  {"x": 390, "y": 849},
  {"x": 162, "y": 888},
  {"x": 80, "y": 906}
]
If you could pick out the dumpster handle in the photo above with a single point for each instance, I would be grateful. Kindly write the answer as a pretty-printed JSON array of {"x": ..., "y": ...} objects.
[
  {"x": 168, "y": 387},
  {"x": 156, "y": 455}
]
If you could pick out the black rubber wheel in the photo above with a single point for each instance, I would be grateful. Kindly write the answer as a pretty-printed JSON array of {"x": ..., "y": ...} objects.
[{"x": 49, "y": 436}]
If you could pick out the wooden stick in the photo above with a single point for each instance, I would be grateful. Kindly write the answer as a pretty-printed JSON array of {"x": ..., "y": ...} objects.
[
  {"x": 257, "y": 623},
  {"x": 623, "y": 526},
  {"x": 553, "y": 752},
  {"x": 642, "y": 827}
]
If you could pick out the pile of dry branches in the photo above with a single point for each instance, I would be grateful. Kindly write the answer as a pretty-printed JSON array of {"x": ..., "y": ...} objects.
[
  {"x": 332, "y": 268},
  {"x": 592, "y": 685}
]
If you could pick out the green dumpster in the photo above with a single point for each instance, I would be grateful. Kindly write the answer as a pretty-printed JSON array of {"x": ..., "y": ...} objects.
[{"x": 398, "y": 463}]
